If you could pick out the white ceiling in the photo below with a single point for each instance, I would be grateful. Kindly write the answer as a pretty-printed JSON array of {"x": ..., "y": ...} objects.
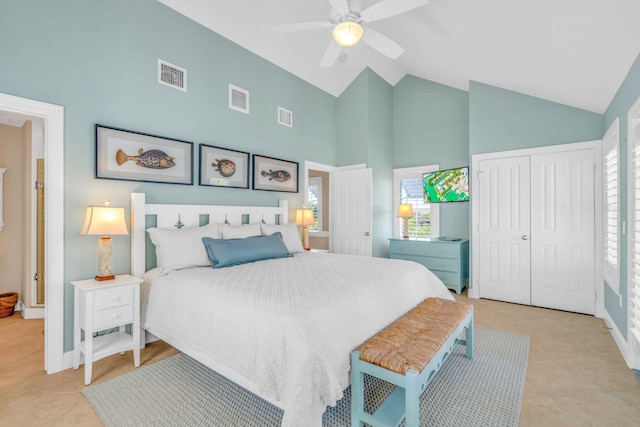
[{"x": 575, "y": 52}]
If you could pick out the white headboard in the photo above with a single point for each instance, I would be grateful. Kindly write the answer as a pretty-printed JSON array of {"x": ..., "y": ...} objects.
[{"x": 167, "y": 216}]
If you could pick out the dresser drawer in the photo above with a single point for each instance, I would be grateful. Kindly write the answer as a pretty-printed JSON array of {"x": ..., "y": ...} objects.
[
  {"x": 448, "y": 278},
  {"x": 443, "y": 264},
  {"x": 113, "y": 297},
  {"x": 112, "y": 317},
  {"x": 444, "y": 250}
]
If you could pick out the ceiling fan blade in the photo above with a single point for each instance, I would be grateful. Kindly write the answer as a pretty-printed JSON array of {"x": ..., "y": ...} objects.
[
  {"x": 331, "y": 54},
  {"x": 301, "y": 26},
  {"x": 389, "y": 8},
  {"x": 382, "y": 43},
  {"x": 340, "y": 6}
]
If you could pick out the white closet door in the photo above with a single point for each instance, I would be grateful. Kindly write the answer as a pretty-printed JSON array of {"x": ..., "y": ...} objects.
[
  {"x": 563, "y": 231},
  {"x": 504, "y": 229}
]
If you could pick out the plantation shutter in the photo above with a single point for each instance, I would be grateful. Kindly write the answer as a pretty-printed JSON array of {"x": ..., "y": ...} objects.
[
  {"x": 634, "y": 225},
  {"x": 611, "y": 171}
]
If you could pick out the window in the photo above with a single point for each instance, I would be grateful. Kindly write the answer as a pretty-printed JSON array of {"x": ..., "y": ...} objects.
[
  {"x": 611, "y": 170},
  {"x": 633, "y": 136},
  {"x": 407, "y": 188},
  {"x": 314, "y": 201}
]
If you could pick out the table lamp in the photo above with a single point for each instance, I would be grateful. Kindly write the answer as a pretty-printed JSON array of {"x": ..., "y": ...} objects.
[
  {"x": 405, "y": 211},
  {"x": 304, "y": 217},
  {"x": 104, "y": 221}
]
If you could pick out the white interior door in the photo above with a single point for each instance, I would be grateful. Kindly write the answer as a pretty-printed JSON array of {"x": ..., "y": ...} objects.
[
  {"x": 504, "y": 229},
  {"x": 563, "y": 231},
  {"x": 351, "y": 206}
]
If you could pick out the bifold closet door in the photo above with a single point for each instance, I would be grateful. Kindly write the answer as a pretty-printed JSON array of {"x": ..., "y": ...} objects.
[
  {"x": 563, "y": 231},
  {"x": 504, "y": 229}
]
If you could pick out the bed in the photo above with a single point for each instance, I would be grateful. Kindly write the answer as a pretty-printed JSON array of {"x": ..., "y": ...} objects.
[{"x": 283, "y": 327}]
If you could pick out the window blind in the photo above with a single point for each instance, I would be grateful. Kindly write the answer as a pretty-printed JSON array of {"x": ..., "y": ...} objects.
[
  {"x": 634, "y": 225},
  {"x": 611, "y": 170}
]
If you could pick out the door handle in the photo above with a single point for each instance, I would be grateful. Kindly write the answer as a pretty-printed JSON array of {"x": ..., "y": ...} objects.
[
  {"x": 366, "y": 233},
  {"x": 525, "y": 237}
]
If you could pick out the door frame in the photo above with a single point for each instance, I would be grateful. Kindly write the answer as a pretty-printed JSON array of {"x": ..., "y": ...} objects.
[
  {"x": 596, "y": 146},
  {"x": 53, "y": 118}
]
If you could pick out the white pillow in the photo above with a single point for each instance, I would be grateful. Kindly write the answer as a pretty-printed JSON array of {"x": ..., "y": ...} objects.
[
  {"x": 182, "y": 247},
  {"x": 290, "y": 235},
  {"x": 240, "y": 231}
]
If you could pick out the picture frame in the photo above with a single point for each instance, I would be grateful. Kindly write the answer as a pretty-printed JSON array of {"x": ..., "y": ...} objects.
[
  {"x": 271, "y": 174},
  {"x": 223, "y": 167},
  {"x": 135, "y": 156}
]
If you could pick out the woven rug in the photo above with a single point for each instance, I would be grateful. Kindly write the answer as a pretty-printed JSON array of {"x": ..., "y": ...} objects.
[{"x": 179, "y": 391}]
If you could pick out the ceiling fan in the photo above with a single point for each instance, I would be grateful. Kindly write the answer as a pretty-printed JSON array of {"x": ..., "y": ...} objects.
[{"x": 348, "y": 27}]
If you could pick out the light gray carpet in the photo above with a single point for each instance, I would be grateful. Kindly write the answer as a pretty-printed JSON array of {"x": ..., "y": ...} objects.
[{"x": 179, "y": 391}]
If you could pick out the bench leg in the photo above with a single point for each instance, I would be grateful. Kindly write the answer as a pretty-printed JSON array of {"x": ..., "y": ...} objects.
[
  {"x": 412, "y": 399},
  {"x": 469, "y": 339},
  {"x": 357, "y": 390}
]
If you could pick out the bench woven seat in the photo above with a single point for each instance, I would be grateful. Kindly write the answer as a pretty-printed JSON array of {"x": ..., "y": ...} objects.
[
  {"x": 411, "y": 341},
  {"x": 408, "y": 353}
]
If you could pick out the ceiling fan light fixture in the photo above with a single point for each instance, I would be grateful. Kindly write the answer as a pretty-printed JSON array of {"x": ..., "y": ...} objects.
[{"x": 347, "y": 33}]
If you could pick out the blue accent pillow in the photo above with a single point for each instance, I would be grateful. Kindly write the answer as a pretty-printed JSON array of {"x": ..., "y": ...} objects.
[{"x": 225, "y": 253}]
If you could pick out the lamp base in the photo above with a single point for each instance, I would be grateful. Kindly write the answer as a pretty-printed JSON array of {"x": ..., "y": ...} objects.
[
  {"x": 104, "y": 259},
  {"x": 305, "y": 237}
]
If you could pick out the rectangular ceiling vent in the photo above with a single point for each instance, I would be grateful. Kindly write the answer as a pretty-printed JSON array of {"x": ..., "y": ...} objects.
[
  {"x": 238, "y": 99},
  {"x": 172, "y": 75},
  {"x": 285, "y": 117}
]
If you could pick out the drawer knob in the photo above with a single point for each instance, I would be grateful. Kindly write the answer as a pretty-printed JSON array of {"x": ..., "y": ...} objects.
[
  {"x": 116, "y": 298},
  {"x": 444, "y": 264},
  {"x": 115, "y": 316}
]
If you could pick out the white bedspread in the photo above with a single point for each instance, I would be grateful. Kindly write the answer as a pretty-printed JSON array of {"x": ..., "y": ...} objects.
[{"x": 287, "y": 325}]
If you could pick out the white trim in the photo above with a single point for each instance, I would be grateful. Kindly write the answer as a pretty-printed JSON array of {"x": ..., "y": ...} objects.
[
  {"x": 596, "y": 146},
  {"x": 53, "y": 116}
]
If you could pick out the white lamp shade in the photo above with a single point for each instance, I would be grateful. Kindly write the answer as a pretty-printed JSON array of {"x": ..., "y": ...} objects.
[
  {"x": 405, "y": 211},
  {"x": 304, "y": 217},
  {"x": 104, "y": 221},
  {"x": 347, "y": 33}
]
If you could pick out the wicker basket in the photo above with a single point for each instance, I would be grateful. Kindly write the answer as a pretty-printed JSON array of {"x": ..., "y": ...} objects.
[{"x": 7, "y": 302}]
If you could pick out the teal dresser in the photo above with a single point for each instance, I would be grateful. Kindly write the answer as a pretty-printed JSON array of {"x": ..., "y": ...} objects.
[{"x": 448, "y": 259}]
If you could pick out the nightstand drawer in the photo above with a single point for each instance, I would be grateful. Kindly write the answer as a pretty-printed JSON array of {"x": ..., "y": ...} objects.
[
  {"x": 443, "y": 250},
  {"x": 112, "y": 317},
  {"x": 113, "y": 297}
]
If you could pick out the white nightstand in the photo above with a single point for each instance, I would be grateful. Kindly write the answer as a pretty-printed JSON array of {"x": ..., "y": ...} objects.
[{"x": 104, "y": 305}]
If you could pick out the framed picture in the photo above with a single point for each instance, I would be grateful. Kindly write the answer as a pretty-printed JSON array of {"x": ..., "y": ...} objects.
[
  {"x": 221, "y": 167},
  {"x": 135, "y": 156},
  {"x": 274, "y": 174}
]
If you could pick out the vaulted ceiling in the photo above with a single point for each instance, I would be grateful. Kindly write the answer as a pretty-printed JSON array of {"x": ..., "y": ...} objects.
[{"x": 575, "y": 52}]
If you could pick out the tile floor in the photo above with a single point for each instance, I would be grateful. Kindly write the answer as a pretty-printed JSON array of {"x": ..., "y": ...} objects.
[{"x": 576, "y": 375}]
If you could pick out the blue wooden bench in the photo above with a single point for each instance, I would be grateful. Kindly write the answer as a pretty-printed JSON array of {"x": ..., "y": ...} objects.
[{"x": 408, "y": 353}]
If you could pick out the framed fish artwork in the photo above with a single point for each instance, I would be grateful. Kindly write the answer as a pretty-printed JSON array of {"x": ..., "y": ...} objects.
[
  {"x": 135, "y": 156},
  {"x": 222, "y": 167},
  {"x": 274, "y": 174}
]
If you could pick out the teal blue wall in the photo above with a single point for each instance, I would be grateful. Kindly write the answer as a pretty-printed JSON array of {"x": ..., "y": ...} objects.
[
  {"x": 431, "y": 126},
  {"x": 626, "y": 96},
  {"x": 99, "y": 61},
  {"x": 364, "y": 117},
  {"x": 501, "y": 120}
]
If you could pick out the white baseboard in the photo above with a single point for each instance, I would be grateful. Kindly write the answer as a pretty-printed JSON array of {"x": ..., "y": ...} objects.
[
  {"x": 30, "y": 312},
  {"x": 617, "y": 337}
]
